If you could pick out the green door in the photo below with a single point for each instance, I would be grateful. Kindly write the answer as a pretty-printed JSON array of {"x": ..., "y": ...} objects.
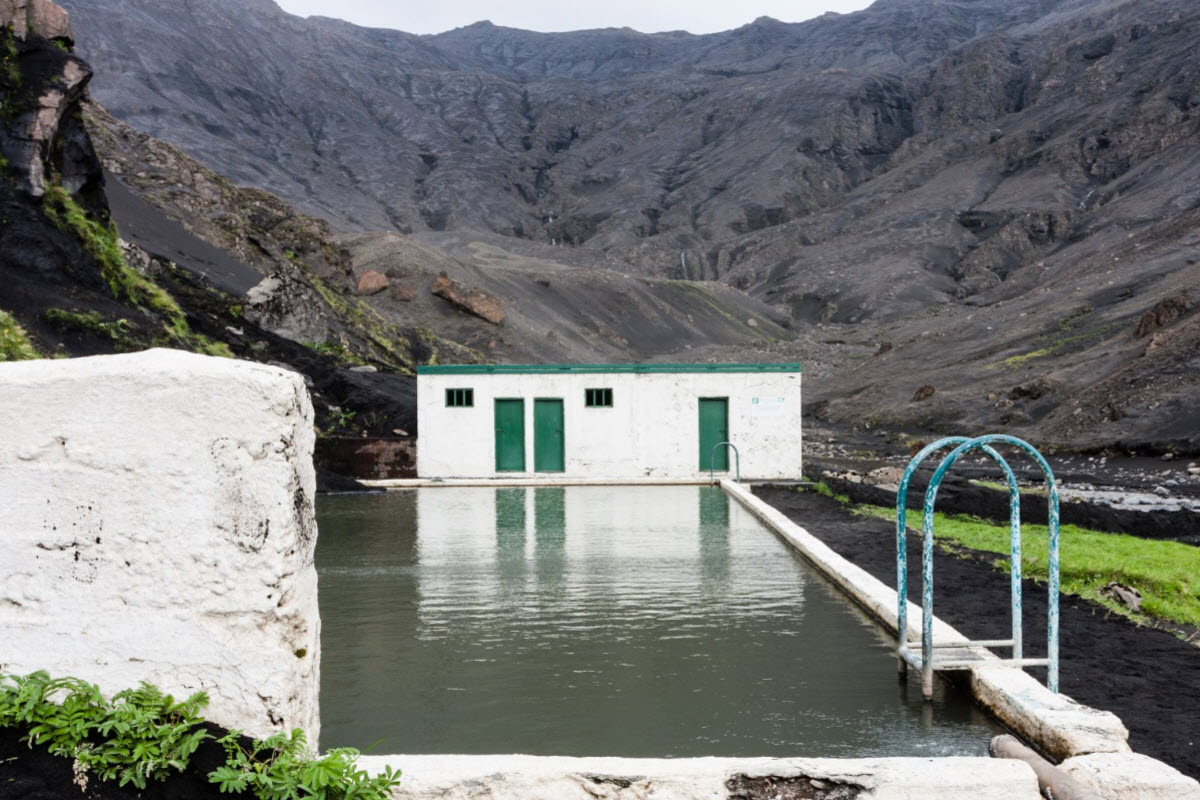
[
  {"x": 714, "y": 428},
  {"x": 510, "y": 435},
  {"x": 548, "y": 435}
]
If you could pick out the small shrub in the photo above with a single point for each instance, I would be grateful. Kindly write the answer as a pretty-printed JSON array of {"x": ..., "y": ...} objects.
[
  {"x": 143, "y": 734},
  {"x": 14, "y": 341},
  {"x": 278, "y": 769},
  {"x": 139, "y": 735}
]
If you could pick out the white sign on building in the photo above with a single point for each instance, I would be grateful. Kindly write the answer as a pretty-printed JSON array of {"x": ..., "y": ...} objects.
[{"x": 609, "y": 420}]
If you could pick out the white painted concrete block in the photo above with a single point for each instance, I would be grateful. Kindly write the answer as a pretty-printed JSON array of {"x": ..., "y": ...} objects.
[
  {"x": 1130, "y": 776},
  {"x": 559, "y": 778},
  {"x": 156, "y": 524}
]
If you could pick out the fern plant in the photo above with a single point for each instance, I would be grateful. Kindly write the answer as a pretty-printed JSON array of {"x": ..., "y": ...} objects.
[
  {"x": 278, "y": 769},
  {"x": 143, "y": 734},
  {"x": 140, "y": 734}
]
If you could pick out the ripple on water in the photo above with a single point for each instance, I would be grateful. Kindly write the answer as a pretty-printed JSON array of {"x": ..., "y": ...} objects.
[{"x": 648, "y": 621}]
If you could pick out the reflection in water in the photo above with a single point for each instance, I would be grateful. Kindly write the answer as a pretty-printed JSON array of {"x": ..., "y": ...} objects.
[
  {"x": 635, "y": 621},
  {"x": 550, "y": 515},
  {"x": 714, "y": 540},
  {"x": 510, "y": 540}
]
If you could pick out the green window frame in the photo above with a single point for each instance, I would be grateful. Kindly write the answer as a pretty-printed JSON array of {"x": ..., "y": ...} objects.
[
  {"x": 598, "y": 398},
  {"x": 460, "y": 398}
]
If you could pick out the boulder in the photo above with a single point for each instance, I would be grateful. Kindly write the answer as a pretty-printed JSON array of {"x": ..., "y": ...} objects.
[
  {"x": 1163, "y": 313},
  {"x": 924, "y": 393},
  {"x": 287, "y": 306},
  {"x": 403, "y": 292},
  {"x": 372, "y": 282},
  {"x": 475, "y": 301}
]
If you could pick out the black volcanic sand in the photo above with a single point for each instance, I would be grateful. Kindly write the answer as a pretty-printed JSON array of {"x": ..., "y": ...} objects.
[
  {"x": 32, "y": 773},
  {"x": 1149, "y": 678}
]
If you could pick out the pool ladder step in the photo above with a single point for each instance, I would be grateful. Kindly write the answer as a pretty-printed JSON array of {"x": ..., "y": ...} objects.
[{"x": 928, "y": 659}]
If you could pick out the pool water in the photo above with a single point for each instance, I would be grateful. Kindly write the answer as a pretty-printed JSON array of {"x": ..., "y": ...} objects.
[{"x": 604, "y": 621}]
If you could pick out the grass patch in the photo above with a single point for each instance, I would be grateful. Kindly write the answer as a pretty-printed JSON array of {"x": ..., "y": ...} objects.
[
  {"x": 15, "y": 344},
  {"x": 100, "y": 242},
  {"x": 1166, "y": 573},
  {"x": 822, "y": 488},
  {"x": 337, "y": 352},
  {"x": 1056, "y": 343},
  {"x": 93, "y": 322}
]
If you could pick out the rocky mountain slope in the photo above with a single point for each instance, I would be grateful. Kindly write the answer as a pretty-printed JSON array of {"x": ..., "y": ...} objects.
[
  {"x": 71, "y": 285},
  {"x": 993, "y": 196}
]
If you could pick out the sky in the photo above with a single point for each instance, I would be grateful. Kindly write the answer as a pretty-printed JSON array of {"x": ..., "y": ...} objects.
[{"x": 697, "y": 16}]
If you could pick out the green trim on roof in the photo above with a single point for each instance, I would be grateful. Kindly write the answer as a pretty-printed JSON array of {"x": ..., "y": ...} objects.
[{"x": 566, "y": 369}]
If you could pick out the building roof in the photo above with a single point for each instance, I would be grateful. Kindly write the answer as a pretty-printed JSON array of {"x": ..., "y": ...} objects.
[{"x": 563, "y": 369}]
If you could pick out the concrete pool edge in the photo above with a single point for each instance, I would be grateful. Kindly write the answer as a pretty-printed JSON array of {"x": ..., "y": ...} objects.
[
  {"x": 522, "y": 777},
  {"x": 1054, "y": 723},
  {"x": 391, "y": 484}
]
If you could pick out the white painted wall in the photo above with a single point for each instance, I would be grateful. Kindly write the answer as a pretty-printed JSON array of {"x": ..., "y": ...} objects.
[
  {"x": 156, "y": 523},
  {"x": 652, "y": 430}
]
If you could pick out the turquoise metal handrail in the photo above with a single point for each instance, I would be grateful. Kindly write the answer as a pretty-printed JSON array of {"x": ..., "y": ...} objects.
[
  {"x": 712, "y": 459},
  {"x": 927, "y": 662}
]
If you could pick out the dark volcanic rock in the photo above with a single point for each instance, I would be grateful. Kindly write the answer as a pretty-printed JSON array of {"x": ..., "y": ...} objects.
[
  {"x": 958, "y": 179},
  {"x": 1164, "y": 313}
]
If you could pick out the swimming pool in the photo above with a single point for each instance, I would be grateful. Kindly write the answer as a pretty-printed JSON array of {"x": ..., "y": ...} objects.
[{"x": 602, "y": 620}]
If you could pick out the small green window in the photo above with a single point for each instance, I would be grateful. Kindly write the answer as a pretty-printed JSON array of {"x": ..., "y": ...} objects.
[
  {"x": 598, "y": 398},
  {"x": 460, "y": 398}
]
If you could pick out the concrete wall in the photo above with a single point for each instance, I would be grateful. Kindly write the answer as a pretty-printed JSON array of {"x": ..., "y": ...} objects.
[
  {"x": 370, "y": 458},
  {"x": 156, "y": 523},
  {"x": 651, "y": 431}
]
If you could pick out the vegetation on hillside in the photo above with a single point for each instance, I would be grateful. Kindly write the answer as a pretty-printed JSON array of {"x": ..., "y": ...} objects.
[
  {"x": 15, "y": 344},
  {"x": 101, "y": 242}
]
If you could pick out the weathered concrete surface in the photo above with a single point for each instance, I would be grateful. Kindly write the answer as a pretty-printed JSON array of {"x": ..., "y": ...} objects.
[
  {"x": 1130, "y": 776},
  {"x": 1058, "y": 725},
  {"x": 156, "y": 523},
  {"x": 557, "y": 778}
]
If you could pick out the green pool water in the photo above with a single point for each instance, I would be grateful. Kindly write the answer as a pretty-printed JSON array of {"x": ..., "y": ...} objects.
[{"x": 622, "y": 621}]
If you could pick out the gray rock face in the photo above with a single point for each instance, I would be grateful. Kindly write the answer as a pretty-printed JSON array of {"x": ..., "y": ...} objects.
[
  {"x": 40, "y": 89},
  {"x": 42, "y": 17},
  {"x": 956, "y": 179}
]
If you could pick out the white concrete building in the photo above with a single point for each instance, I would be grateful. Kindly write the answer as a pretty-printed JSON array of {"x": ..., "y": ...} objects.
[{"x": 602, "y": 421}]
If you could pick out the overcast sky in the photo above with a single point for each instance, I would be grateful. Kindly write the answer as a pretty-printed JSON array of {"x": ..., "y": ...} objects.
[{"x": 697, "y": 16}]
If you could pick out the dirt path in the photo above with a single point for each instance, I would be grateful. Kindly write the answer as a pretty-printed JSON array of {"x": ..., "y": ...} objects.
[{"x": 1149, "y": 678}]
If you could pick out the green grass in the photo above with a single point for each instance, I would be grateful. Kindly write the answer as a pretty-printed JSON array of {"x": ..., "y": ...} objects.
[
  {"x": 100, "y": 242},
  {"x": 93, "y": 322},
  {"x": 14, "y": 341},
  {"x": 1166, "y": 573}
]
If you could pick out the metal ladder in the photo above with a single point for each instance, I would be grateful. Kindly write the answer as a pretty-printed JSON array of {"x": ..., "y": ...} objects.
[
  {"x": 712, "y": 462},
  {"x": 926, "y": 661}
]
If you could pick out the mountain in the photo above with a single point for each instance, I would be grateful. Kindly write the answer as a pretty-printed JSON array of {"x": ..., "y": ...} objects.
[{"x": 986, "y": 206}]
